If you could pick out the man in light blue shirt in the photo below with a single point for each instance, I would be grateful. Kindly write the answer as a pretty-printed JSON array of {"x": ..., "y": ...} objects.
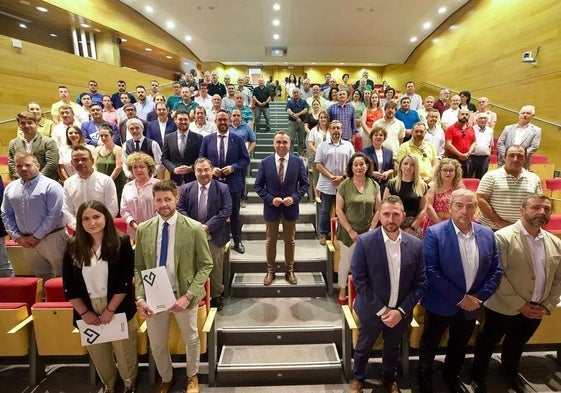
[{"x": 32, "y": 214}]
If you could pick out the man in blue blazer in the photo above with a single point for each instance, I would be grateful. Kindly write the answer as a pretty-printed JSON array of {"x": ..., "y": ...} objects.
[
  {"x": 281, "y": 182},
  {"x": 153, "y": 130},
  {"x": 179, "y": 161},
  {"x": 210, "y": 206},
  {"x": 229, "y": 157},
  {"x": 389, "y": 276},
  {"x": 463, "y": 271}
]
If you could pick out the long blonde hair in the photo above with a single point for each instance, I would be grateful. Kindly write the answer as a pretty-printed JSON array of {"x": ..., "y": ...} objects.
[{"x": 419, "y": 186}]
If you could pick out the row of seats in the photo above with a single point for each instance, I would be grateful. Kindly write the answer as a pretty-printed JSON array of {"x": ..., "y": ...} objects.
[{"x": 42, "y": 330}]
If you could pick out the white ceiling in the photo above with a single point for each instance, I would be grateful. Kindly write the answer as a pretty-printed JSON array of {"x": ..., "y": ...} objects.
[{"x": 353, "y": 32}]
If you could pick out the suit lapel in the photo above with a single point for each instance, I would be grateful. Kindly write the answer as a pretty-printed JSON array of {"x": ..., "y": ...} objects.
[
  {"x": 456, "y": 257},
  {"x": 551, "y": 258}
]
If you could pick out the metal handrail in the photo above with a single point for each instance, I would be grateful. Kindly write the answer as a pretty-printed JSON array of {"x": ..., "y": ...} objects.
[{"x": 504, "y": 108}]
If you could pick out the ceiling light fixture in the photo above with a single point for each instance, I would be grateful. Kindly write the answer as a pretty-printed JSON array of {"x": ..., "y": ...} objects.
[
  {"x": 276, "y": 7},
  {"x": 149, "y": 9},
  {"x": 170, "y": 24},
  {"x": 169, "y": 57},
  {"x": 426, "y": 25},
  {"x": 442, "y": 10},
  {"x": 123, "y": 40},
  {"x": 85, "y": 25},
  {"x": 23, "y": 25},
  {"x": 24, "y": 2},
  {"x": 53, "y": 35},
  {"x": 188, "y": 38},
  {"x": 42, "y": 9},
  {"x": 276, "y": 36},
  {"x": 413, "y": 39},
  {"x": 148, "y": 49},
  {"x": 436, "y": 40},
  {"x": 276, "y": 22}
]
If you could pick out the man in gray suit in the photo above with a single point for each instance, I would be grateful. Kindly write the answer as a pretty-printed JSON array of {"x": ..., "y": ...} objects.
[{"x": 523, "y": 133}]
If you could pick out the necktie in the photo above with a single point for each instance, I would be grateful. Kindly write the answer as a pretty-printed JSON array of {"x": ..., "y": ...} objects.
[
  {"x": 221, "y": 152},
  {"x": 281, "y": 169},
  {"x": 202, "y": 205},
  {"x": 164, "y": 246},
  {"x": 137, "y": 146},
  {"x": 182, "y": 144}
]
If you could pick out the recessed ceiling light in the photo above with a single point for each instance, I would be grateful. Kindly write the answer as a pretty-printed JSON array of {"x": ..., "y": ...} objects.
[
  {"x": 24, "y": 2},
  {"x": 426, "y": 25},
  {"x": 276, "y": 22},
  {"x": 97, "y": 30},
  {"x": 276, "y": 36},
  {"x": 453, "y": 27},
  {"x": 369, "y": 64},
  {"x": 169, "y": 57},
  {"x": 148, "y": 49},
  {"x": 435, "y": 40},
  {"x": 341, "y": 63},
  {"x": 313, "y": 62},
  {"x": 286, "y": 62},
  {"x": 276, "y": 7},
  {"x": 442, "y": 10},
  {"x": 185, "y": 63},
  {"x": 149, "y": 9},
  {"x": 413, "y": 39},
  {"x": 23, "y": 25},
  {"x": 84, "y": 25},
  {"x": 42, "y": 9},
  {"x": 53, "y": 35},
  {"x": 123, "y": 40},
  {"x": 170, "y": 24},
  {"x": 188, "y": 38}
]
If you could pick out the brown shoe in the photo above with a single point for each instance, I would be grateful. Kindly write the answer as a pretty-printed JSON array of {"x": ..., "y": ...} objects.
[
  {"x": 322, "y": 240},
  {"x": 391, "y": 387},
  {"x": 291, "y": 278},
  {"x": 192, "y": 385},
  {"x": 165, "y": 386},
  {"x": 356, "y": 386},
  {"x": 269, "y": 278}
]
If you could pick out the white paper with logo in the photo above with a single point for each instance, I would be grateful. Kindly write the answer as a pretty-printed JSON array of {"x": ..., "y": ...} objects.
[
  {"x": 117, "y": 329},
  {"x": 157, "y": 289}
]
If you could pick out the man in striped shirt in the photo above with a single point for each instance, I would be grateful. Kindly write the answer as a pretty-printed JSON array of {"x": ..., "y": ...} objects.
[{"x": 502, "y": 191}]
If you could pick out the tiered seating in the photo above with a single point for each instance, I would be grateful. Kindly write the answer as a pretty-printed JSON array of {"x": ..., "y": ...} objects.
[
  {"x": 540, "y": 165},
  {"x": 552, "y": 188},
  {"x": 471, "y": 184}
]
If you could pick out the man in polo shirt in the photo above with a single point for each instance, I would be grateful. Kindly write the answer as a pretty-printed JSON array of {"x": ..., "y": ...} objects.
[
  {"x": 176, "y": 97},
  {"x": 297, "y": 110},
  {"x": 116, "y": 97},
  {"x": 316, "y": 95},
  {"x": 345, "y": 113},
  {"x": 261, "y": 99},
  {"x": 395, "y": 128},
  {"x": 247, "y": 113},
  {"x": 425, "y": 151},
  {"x": 502, "y": 191},
  {"x": 408, "y": 116},
  {"x": 460, "y": 140},
  {"x": 215, "y": 87},
  {"x": 186, "y": 104}
]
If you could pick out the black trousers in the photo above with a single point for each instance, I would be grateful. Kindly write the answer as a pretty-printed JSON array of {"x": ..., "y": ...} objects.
[
  {"x": 460, "y": 330},
  {"x": 479, "y": 166},
  {"x": 516, "y": 329}
]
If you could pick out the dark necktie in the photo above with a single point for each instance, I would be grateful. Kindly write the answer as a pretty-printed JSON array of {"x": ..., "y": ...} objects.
[
  {"x": 202, "y": 205},
  {"x": 221, "y": 157},
  {"x": 164, "y": 246},
  {"x": 182, "y": 144},
  {"x": 281, "y": 169},
  {"x": 137, "y": 146}
]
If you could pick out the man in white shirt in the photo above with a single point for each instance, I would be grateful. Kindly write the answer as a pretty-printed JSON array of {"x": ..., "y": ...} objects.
[
  {"x": 435, "y": 133},
  {"x": 203, "y": 99},
  {"x": 85, "y": 185},
  {"x": 463, "y": 270},
  {"x": 491, "y": 116},
  {"x": 395, "y": 128},
  {"x": 416, "y": 100},
  {"x": 483, "y": 141},
  {"x": 388, "y": 285},
  {"x": 450, "y": 115}
]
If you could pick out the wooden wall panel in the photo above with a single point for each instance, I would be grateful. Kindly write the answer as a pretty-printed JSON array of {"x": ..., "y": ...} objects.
[
  {"x": 480, "y": 49},
  {"x": 34, "y": 73}
]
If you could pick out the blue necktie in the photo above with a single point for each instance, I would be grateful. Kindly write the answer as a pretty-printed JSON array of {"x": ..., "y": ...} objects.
[
  {"x": 164, "y": 247},
  {"x": 221, "y": 158}
]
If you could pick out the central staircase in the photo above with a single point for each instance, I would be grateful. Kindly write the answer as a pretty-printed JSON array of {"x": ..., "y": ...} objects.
[{"x": 282, "y": 333}]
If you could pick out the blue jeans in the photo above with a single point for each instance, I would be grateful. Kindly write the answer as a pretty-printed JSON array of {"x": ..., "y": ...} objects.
[
  {"x": 327, "y": 201},
  {"x": 6, "y": 269},
  {"x": 265, "y": 111}
]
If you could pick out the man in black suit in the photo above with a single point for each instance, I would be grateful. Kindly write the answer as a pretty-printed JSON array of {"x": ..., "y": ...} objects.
[
  {"x": 163, "y": 125},
  {"x": 181, "y": 149},
  {"x": 208, "y": 201},
  {"x": 389, "y": 277}
]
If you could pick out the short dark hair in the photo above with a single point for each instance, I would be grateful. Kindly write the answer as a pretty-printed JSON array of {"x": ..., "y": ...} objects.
[
  {"x": 359, "y": 154},
  {"x": 165, "y": 185},
  {"x": 26, "y": 115}
]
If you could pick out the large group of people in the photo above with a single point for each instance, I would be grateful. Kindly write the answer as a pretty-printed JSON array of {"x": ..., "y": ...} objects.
[{"x": 389, "y": 168}]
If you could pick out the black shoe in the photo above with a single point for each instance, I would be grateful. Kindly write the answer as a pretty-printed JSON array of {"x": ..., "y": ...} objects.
[
  {"x": 216, "y": 302},
  {"x": 478, "y": 387},
  {"x": 129, "y": 389},
  {"x": 453, "y": 383},
  {"x": 518, "y": 385},
  {"x": 239, "y": 247}
]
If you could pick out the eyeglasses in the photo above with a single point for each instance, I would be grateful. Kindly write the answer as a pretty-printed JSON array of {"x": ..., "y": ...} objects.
[{"x": 447, "y": 170}]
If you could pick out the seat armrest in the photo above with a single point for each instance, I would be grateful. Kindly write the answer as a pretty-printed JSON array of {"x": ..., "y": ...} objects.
[
  {"x": 349, "y": 320},
  {"x": 21, "y": 325},
  {"x": 207, "y": 327}
]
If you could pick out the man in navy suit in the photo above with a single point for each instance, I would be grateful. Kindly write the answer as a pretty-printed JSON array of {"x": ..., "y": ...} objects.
[
  {"x": 229, "y": 156},
  {"x": 181, "y": 149},
  {"x": 463, "y": 270},
  {"x": 389, "y": 277},
  {"x": 163, "y": 125},
  {"x": 281, "y": 182},
  {"x": 208, "y": 201}
]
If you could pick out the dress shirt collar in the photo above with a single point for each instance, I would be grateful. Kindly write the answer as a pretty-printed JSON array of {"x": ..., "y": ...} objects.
[
  {"x": 227, "y": 134},
  {"x": 387, "y": 238},
  {"x": 32, "y": 182},
  {"x": 171, "y": 221},
  {"x": 527, "y": 234},
  {"x": 460, "y": 233},
  {"x": 199, "y": 185},
  {"x": 277, "y": 158}
]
